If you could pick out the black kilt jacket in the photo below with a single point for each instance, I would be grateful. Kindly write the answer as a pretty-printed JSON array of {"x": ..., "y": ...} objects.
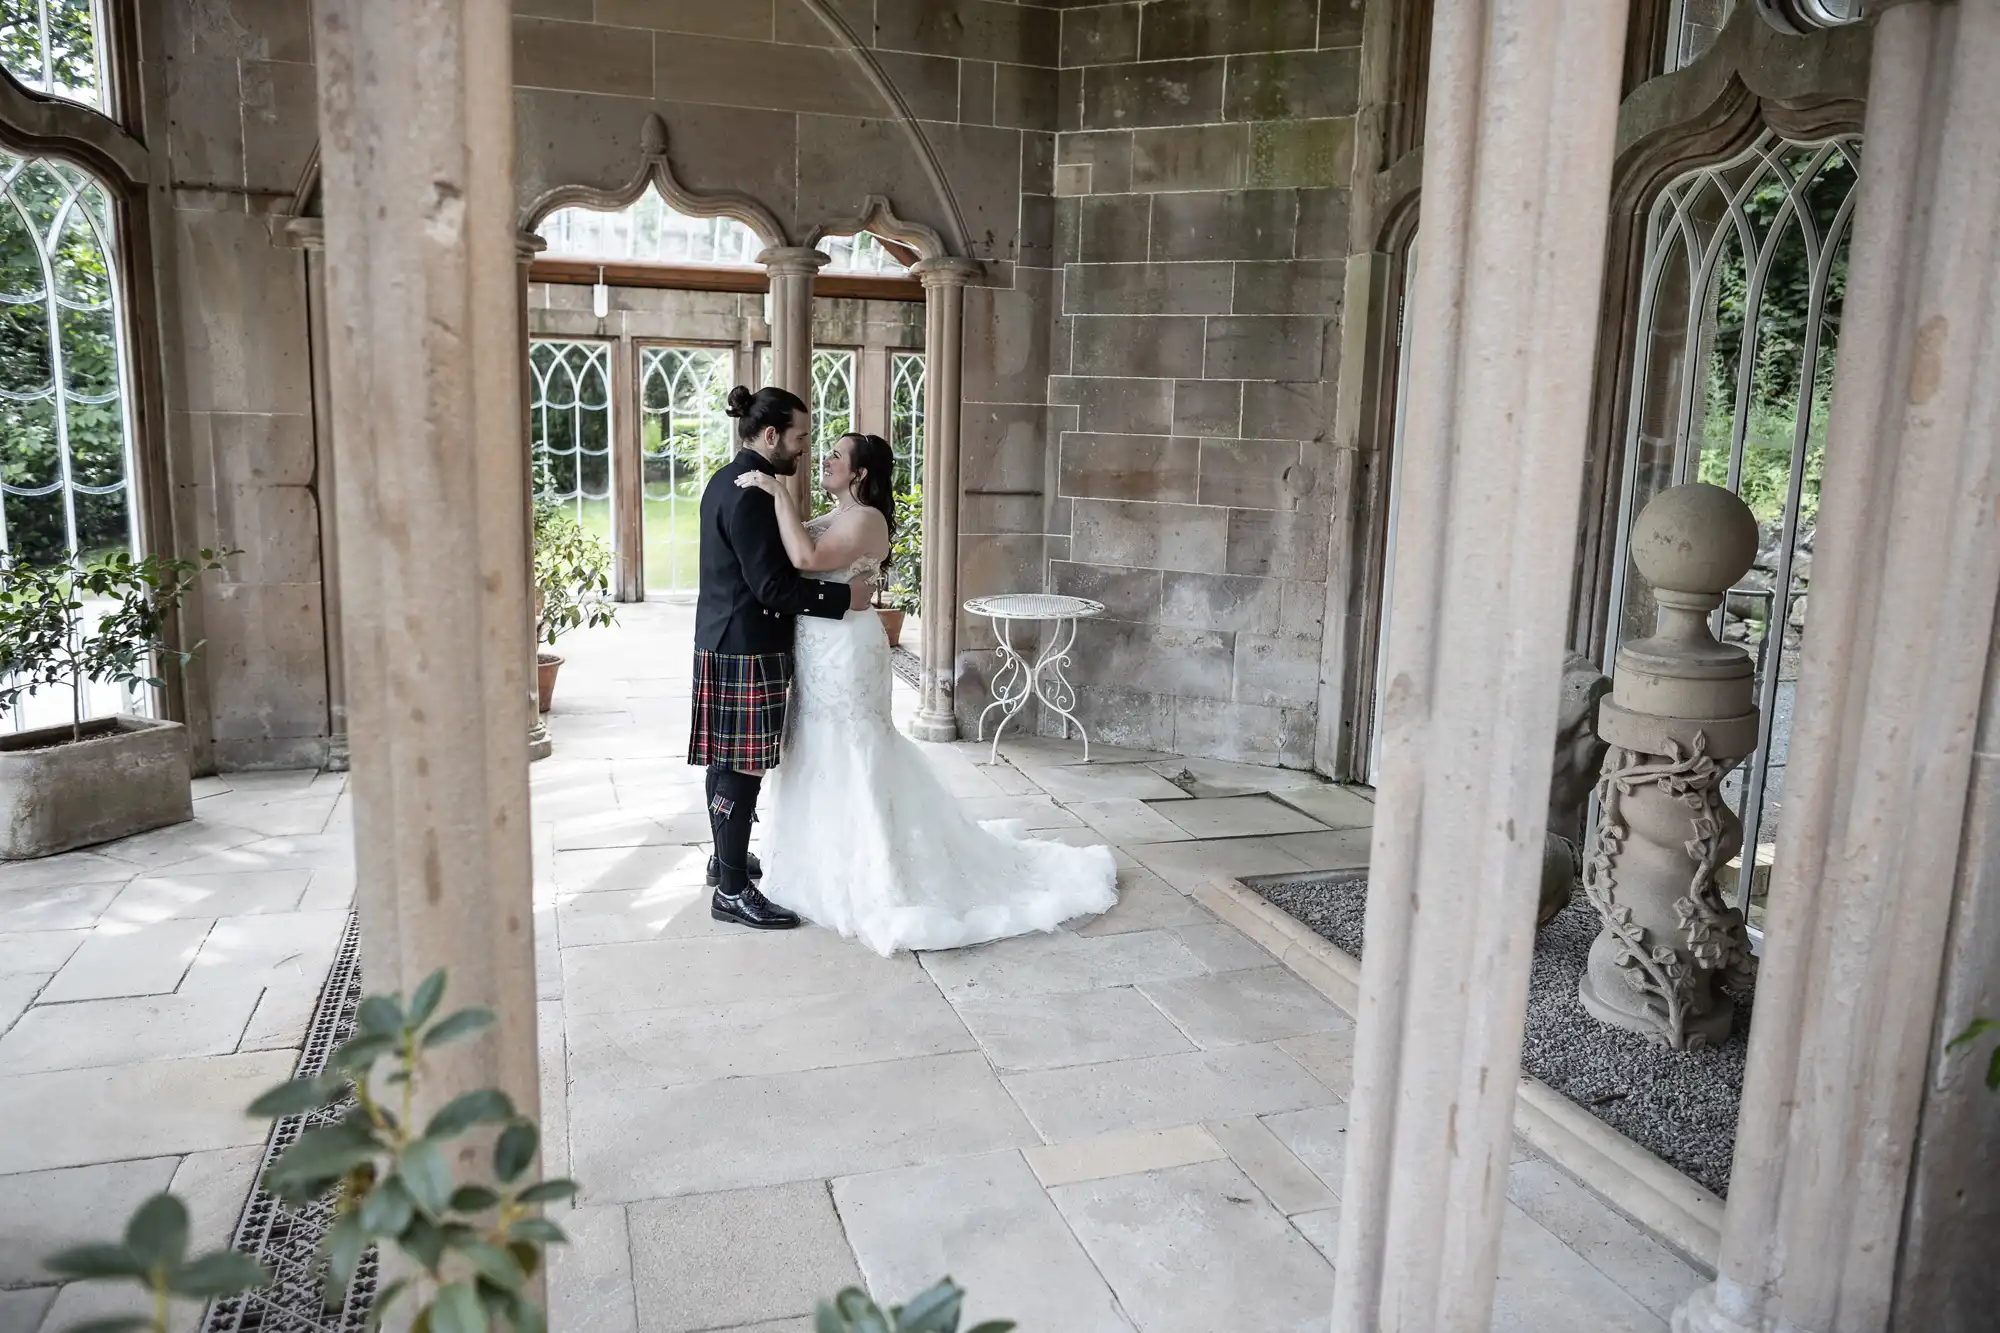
[{"x": 749, "y": 589}]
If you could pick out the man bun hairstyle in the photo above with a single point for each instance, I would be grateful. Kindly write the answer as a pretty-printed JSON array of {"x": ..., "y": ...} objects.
[{"x": 770, "y": 408}]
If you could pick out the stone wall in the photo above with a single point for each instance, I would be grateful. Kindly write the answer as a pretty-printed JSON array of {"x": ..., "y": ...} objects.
[
  {"x": 230, "y": 114},
  {"x": 1202, "y": 173}
]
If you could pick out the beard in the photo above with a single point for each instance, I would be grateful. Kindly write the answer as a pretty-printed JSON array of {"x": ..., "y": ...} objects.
[{"x": 785, "y": 467}]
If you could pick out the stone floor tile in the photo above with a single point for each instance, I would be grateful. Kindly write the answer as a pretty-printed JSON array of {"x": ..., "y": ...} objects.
[
  {"x": 1316, "y": 1136},
  {"x": 179, "y": 844},
  {"x": 273, "y": 949},
  {"x": 623, "y": 916},
  {"x": 987, "y": 1223},
  {"x": 45, "y": 1211},
  {"x": 1045, "y": 963},
  {"x": 77, "y": 907},
  {"x": 274, "y": 781},
  {"x": 1238, "y": 817},
  {"x": 743, "y": 1132},
  {"x": 1127, "y": 820},
  {"x": 1070, "y": 1028},
  {"x": 618, "y": 828},
  {"x": 742, "y": 1257},
  {"x": 801, "y": 1325},
  {"x": 1122, "y": 1152},
  {"x": 1335, "y": 807},
  {"x": 1322, "y": 1228},
  {"x": 552, "y": 1054},
  {"x": 1239, "y": 1008},
  {"x": 170, "y": 897},
  {"x": 156, "y": 1109},
  {"x": 1647, "y": 1270},
  {"x": 1546, "y": 1287},
  {"x": 590, "y": 1279},
  {"x": 659, "y": 1048},
  {"x": 58, "y": 872},
  {"x": 1217, "y": 779},
  {"x": 1032, "y": 812},
  {"x": 330, "y": 890},
  {"x": 1085, "y": 836},
  {"x": 17, "y": 992},
  {"x": 312, "y": 851},
  {"x": 92, "y": 1033},
  {"x": 120, "y": 959},
  {"x": 1327, "y": 1056},
  {"x": 85, "y": 1302},
  {"x": 1340, "y": 849},
  {"x": 627, "y": 868},
  {"x": 272, "y": 816},
  {"x": 679, "y": 974},
  {"x": 1163, "y": 1090},
  {"x": 1221, "y": 947},
  {"x": 1287, "y": 1182},
  {"x": 1029, "y": 753},
  {"x": 1187, "y": 864},
  {"x": 1100, "y": 782},
  {"x": 1196, "y": 1249},
  {"x": 1145, "y": 902},
  {"x": 1007, "y": 780},
  {"x": 23, "y": 1311},
  {"x": 282, "y": 1015},
  {"x": 215, "y": 1186}
]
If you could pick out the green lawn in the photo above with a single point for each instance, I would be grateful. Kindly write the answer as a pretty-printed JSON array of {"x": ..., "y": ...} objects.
[{"x": 673, "y": 540}]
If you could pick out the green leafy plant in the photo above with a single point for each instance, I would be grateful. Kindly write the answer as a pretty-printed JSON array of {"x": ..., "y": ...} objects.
[
  {"x": 62, "y": 624},
  {"x": 1979, "y": 1028},
  {"x": 470, "y": 1246},
  {"x": 154, "y": 1255},
  {"x": 572, "y": 575},
  {"x": 906, "y": 553},
  {"x": 933, "y": 1311}
]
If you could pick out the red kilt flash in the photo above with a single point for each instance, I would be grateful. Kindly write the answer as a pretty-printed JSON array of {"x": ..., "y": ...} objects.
[{"x": 739, "y": 709}]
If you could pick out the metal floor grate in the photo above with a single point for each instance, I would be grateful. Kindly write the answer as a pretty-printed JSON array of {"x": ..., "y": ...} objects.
[
  {"x": 908, "y": 667},
  {"x": 288, "y": 1242}
]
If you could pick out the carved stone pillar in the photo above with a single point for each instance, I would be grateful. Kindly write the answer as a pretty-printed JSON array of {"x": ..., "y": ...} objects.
[
  {"x": 792, "y": 269},
  {"x": 1905, "y": 579},
  {"x": 1579, "y": 755},
  {"x": 1523, "y": 104},
  {"x": 540, "y": 744},
  {"x": 944, "y": 336},
  {"x": 1680, "y": 716},
  {"x": 424, "y": 335},
  {"x": 310, "y": 236}
]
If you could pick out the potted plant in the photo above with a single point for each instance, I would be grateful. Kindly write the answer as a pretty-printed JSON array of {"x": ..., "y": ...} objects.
[
  {"x": 906, "y": 565},
  {"x": 90, "y": 780},
  {"x": 572, "y": 586}
]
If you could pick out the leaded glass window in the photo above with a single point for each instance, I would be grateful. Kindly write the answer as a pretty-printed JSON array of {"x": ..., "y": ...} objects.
[
  {"x": 832, "y": 407},
  {"x": 65, "y": 462},
  {"x": 906, "y": 417},
  {"x": 1739, "y": 316},
  {"x": 52, "y": 47},
  {"x": 686, "y": 434},
  {"x": 569, "y": 421},
  {"x": 862, "y": 252},
  {"x": 648, "y": 231}
]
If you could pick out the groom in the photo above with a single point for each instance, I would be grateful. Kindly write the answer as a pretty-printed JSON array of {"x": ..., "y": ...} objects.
[{"x": 743, "y": 643}]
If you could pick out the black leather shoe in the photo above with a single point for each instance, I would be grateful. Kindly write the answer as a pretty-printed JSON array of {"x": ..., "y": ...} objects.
[
  {"x": 715, "y": 870},
  {"x": 751, "y": 908}
]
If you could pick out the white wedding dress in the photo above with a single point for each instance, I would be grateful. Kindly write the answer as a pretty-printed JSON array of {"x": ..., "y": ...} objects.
[{"x": 863, "y": 838}]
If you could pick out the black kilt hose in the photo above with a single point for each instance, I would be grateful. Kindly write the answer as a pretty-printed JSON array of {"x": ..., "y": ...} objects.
[{"x": 743, "y": 623}]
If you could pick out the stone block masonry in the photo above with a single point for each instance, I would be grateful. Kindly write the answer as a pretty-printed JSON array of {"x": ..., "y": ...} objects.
[{"x": 1203, "y": 159}]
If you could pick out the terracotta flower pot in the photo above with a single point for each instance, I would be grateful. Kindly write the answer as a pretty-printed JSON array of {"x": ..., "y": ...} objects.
[
  {"x": 892, "y": 624},
  {"x": 546, "y": 666}
]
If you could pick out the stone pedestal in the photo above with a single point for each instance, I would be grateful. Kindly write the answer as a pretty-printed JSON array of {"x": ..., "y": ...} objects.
[{"x": 1680, "y": 716}]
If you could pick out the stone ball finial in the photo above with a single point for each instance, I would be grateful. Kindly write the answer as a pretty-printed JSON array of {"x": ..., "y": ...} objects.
[{"x": 1695, "y": 538}]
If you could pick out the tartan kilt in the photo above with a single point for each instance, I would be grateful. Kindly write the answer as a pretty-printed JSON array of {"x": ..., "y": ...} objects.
[{"x": 739, "y": 709}]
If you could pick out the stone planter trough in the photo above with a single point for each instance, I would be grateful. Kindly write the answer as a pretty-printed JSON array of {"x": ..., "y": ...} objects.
[{"x": 127, "y": 775}]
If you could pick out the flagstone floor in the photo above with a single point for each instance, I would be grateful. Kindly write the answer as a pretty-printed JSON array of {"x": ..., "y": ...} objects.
[{"x": 1133, "y": 1124}]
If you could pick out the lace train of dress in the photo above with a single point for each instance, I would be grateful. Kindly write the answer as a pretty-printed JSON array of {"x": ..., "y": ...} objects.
[{"x": 864, "y": 839}]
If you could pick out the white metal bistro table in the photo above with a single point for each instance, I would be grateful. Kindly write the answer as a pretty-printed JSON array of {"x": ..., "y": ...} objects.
[{"x": 1020, "y": 680}]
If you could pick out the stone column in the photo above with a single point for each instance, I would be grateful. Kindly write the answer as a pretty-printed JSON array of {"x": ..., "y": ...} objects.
[
  {"x": 1904, "y": 586},
  {"x": 1517, "y": 169},
  {"x": 416, "y": 110},
  {"x": 1679, "y": 718},
  {"x": 310, "y": 235},
  {"x": 526, "y": 246},
  {"x": 944, "y": 335},
  {"x": 792, "y": 269}
]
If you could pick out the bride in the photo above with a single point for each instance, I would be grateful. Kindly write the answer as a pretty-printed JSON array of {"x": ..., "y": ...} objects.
[{"x": 864, "y": 839}]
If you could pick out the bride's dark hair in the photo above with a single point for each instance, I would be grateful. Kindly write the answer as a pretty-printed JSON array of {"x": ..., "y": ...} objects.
[
  {"x": 768, "y": 408},
  {"x": 871, "y": 456}
]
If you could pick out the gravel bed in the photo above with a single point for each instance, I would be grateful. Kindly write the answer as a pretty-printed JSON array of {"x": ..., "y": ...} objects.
[{"x": 1678, "y": 1105}]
